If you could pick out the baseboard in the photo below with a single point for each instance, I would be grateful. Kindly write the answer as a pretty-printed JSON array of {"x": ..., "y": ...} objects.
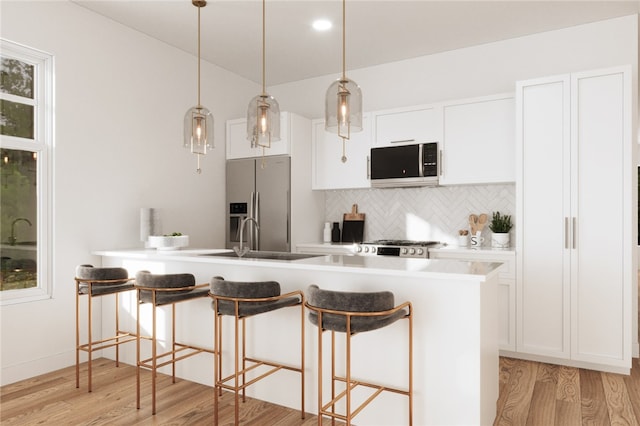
[
  {"x": 28, "y": 369},
  {"x": 567, "y": 362}
]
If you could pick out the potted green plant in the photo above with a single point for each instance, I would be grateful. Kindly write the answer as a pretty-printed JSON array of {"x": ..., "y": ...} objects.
[{"x": 500, "y": 226}]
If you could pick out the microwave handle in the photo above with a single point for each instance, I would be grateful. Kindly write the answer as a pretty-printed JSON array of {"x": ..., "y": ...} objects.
[
  {"x": 421, "y": 160},
  {"x": 403, "y": 141},
  {"x": 441, "y": 164}
]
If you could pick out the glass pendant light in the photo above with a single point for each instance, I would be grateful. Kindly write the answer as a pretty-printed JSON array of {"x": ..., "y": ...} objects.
[
  {"x": 263, "y": 113},
  {"x": 343, "y": 102},
  {"x": 198, "y": 121}
]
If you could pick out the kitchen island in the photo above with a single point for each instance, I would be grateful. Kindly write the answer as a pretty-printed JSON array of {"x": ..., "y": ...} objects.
[{"x": 455, "y": 329}]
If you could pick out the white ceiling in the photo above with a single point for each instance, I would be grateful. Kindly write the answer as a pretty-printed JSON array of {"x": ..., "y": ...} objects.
[{"x": 377, "y": 31}]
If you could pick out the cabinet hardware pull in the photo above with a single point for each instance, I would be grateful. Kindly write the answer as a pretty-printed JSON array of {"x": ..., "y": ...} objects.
[
  {"x": 368, "y": 167},
  {"x": 566, "y": 232},
  {"x": 403, "y": 140},
  {"x": 573, "y": 232},
  {"x": 441, "y": 165}
]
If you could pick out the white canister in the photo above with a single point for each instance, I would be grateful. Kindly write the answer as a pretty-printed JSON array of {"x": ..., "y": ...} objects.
[{"x": 326, "y": 233}]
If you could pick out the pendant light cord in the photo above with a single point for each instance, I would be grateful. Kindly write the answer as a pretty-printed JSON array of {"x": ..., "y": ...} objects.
[
  {"x": 199, "y": 105},
  {"x": 344, "y": 49},
  {"x": 264, "y": 86}
]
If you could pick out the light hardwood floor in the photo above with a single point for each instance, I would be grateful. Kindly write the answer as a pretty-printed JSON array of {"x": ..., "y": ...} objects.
[{"x": 531, "y": 393}]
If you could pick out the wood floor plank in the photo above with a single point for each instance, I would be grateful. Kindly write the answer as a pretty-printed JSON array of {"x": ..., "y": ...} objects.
[
  {"x": 568, "y": 413},
  {"x": 618, "y": 402},
  {"x": 594, "y": 403},
  {"x": 542, "y": 409},
  {"x": 568, "y": 389},
  {"x": 632, "y": 383},
  {"x": 520, "y": 389}
]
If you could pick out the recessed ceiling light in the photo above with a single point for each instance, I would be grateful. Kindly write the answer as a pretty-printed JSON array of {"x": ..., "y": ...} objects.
[{"x": 322, "y": 24}]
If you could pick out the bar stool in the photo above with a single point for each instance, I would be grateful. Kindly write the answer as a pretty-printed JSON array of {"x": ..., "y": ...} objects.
[
  {"x": 97, "y": 282},
  {"x": 243, "y": 300},
  {"x": 351, "y": 313},
  {"x": 161, "y": 290}
]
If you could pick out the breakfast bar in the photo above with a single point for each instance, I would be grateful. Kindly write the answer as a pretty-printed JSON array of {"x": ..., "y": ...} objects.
[{"x": 455, "y": 336}]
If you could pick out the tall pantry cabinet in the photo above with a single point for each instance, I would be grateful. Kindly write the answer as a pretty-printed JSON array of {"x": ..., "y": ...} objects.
[{"x": 575, "y": 218}]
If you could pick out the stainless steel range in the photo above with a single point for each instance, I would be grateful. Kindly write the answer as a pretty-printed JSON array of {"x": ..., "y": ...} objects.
[{"x": 401, "y": 248}]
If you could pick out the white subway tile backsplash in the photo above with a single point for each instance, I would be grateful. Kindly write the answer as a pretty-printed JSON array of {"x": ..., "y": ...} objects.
[{"x": 421, "y": 213}]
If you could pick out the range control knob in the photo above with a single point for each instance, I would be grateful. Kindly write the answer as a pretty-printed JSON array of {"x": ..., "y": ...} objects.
[
  {"x": 404, "y": 251},
  {"x": 366, "y": 249},
  {"x": 412, "y": 251},
  {"x": 373, "y": 249},
  {"x": 420, "y": 252},
  {"x": 359, "y": 249}
]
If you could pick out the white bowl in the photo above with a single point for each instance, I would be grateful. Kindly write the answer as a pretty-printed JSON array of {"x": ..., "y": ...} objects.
[{"x": 162, "y": 242}]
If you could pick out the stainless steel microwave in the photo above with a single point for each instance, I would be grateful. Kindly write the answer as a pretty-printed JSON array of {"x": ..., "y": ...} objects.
[{"x": 405, "y": 165}]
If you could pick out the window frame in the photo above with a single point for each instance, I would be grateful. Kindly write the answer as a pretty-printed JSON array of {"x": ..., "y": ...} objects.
[{"x": 42, "y": 144}]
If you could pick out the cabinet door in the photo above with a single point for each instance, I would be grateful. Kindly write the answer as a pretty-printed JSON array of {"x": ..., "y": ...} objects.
[
  {"x": 601, "y": 200},
  {"x": 238, "y": 146},
  {"x": 416, "y": 125},
  {"x": 478, "y": 143},
  {"x": 329, "y": 172},
  {"x": 543, "y": 254},
  {"x": 506, "y": 290}
]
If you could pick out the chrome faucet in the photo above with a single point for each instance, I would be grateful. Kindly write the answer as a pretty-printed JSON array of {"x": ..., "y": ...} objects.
[
  {"x": 242, "y": 224},
  {"x": 12, "y": 237}
]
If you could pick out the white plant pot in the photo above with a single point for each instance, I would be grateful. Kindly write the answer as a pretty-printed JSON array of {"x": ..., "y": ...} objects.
[
  {"x": 162, "y": 242},
  {"x": 500, "y": 240}
]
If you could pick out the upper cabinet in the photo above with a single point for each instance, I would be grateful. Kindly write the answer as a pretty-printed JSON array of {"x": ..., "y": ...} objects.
[
  {"x": 478, "y": 141},
  {"x": 328, "y": 170},
  {"x": 238, "y": 146},
  {"x": 407, "y": 125}
]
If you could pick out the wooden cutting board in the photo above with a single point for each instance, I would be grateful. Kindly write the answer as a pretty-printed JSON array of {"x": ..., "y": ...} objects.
[{"x": 353, "y": 226}]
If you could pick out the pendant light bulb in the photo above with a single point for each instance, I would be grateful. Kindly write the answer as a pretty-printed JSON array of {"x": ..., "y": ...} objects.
[
  {"x": 343, "y": 100},
  {"x": 198, "y": 121},
  {"x": 263, "y": 113}
]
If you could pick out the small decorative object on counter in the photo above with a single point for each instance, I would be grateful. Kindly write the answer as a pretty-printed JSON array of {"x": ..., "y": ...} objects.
[
  {"x": 463, "y": 238},
  {"x": 477, "y": 240},
  {"x": 326, "y": 235},
  {"x": 335, "y": 232},
  {"x": 500, "y": 226}
]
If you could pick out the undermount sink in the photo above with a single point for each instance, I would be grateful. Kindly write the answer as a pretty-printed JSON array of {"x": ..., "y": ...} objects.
[{"x": 270, "y": 255}]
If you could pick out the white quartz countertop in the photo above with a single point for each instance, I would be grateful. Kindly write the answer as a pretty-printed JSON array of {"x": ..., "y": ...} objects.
[
  {"x": 396, "y": 266},
  {"x": 459, "y": 249}
]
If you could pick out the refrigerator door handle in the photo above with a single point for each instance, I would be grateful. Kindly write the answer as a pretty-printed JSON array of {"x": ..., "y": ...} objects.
[
  {"x": 251, "y": 214},
  {"x": 257, "y": 224}
]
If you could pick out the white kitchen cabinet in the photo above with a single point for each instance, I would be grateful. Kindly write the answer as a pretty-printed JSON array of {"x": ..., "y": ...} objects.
[
  {"x": 575, "y": 218},
  {"x": 238, "y": 146},
  {"x": 478, "y": 141},
  {"x": 506, "y": 286},
  {"x": 328, "y": 171},
  {"x": 417, "y": 124}
]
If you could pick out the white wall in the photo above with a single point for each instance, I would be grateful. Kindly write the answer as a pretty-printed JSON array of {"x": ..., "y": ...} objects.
[
  {"x": 120, "y": 98},
  {"x": 476, "y": 71}
]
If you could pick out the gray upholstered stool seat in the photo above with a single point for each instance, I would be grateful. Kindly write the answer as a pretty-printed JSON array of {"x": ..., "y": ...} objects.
[
  {"x": 242, "y": 300},
  {"x": 249, "y": 290},
  {"x": 94, "y": 282},
  {"x": 160, "y": 290},
  {"x": 351, "y": 313},
  {"x": 371, "y": 302},
  {"x": 169, "y": 288},
  {"x": 102, "y": 280}
]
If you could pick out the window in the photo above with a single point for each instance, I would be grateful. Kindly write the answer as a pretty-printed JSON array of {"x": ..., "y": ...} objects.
[{"x": 26, "y": 135}]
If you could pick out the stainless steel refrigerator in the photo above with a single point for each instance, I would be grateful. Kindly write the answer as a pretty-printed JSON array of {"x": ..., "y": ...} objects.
[{"x": 259, "y": 188}]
